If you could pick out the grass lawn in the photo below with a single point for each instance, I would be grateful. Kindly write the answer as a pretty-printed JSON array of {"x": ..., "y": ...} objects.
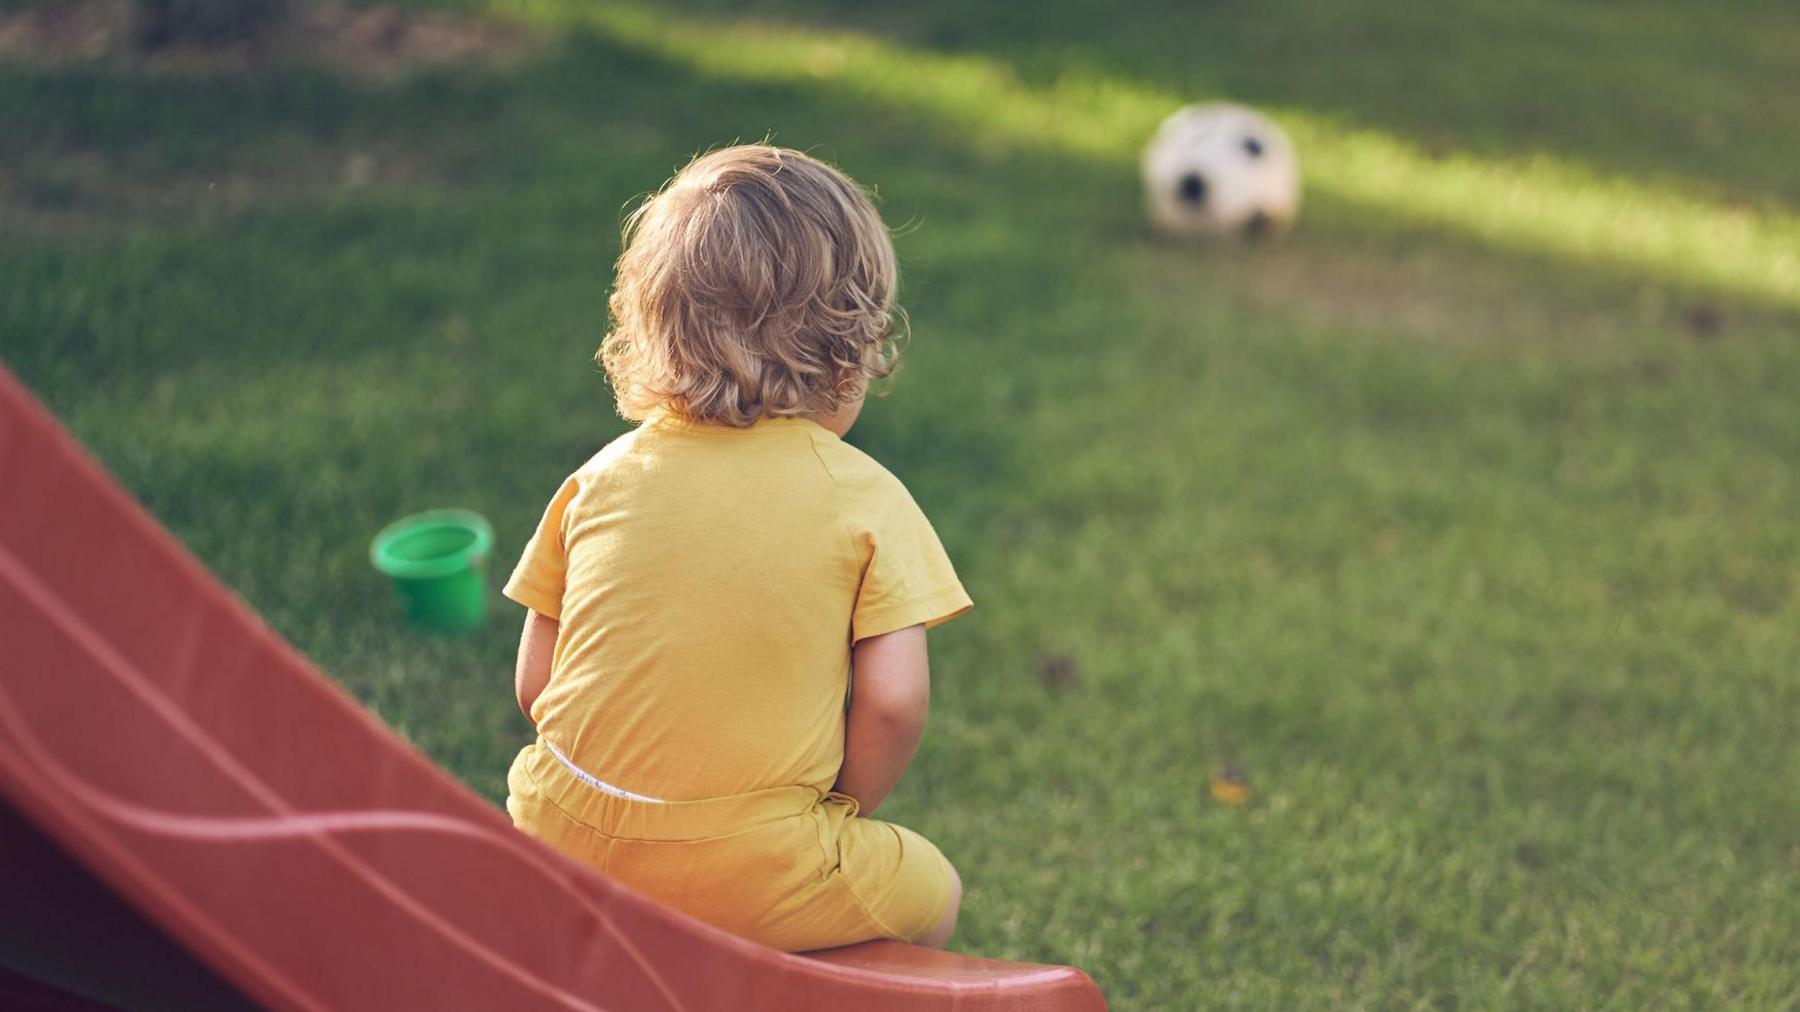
[{"x": 1465, "y": 520}]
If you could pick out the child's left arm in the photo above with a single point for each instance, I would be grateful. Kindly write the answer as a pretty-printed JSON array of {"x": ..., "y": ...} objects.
[
  {"x": 887, "y": 714},
  {"x": 537, "y": 645}
]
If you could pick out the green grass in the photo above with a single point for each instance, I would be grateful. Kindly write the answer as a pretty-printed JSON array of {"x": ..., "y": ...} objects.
[{"x": 1442, "y": 518}]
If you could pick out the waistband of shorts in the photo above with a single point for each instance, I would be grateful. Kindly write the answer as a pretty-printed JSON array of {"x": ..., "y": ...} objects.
[{"x": 635, "y": 818}]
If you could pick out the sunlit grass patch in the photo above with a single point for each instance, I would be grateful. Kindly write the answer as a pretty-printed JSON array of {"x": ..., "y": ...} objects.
[{"x": 1539, "y": 205}]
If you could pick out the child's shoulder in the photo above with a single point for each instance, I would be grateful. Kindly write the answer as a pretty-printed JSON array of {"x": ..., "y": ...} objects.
[
  {"x": 581, "y": 484},
  {"x": 865, "y": 487},
  {"x": 616, "y": 453},
  {"x": 851, "y": 468}
]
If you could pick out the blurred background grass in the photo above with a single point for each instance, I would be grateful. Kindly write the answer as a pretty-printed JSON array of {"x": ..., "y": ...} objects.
[{"x": 1464, "y": 520}]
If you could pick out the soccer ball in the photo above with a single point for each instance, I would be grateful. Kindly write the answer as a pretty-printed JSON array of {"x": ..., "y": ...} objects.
[{"x": 1221, "y": 170}]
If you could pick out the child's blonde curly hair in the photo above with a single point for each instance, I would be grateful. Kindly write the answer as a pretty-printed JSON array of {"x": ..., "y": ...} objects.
[{"x": 759, "y": 282}]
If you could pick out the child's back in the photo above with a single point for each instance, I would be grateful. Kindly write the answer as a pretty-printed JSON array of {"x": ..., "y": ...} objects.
[
  {"x": 715, "y": 576},
  {"x": 705, "y": 579}
]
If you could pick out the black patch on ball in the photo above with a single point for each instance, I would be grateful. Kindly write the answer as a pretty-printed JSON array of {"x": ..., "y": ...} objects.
[
  {"x": 1193, "y": 188},
  {"x": 1257, "y": 226},
  {"x": 1253, "y": 147}
]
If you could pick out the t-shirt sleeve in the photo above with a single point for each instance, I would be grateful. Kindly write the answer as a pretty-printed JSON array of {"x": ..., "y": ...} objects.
[
  {"x": 537, "y": 581},
  {"x": 907, "y": 578}
]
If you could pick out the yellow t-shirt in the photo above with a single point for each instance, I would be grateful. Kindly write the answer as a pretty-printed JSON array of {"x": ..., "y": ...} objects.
[{"x": 709, "y": 582}]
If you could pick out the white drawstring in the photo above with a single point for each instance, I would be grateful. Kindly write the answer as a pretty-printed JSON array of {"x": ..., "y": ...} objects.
[{"x": 593, "y": 781}]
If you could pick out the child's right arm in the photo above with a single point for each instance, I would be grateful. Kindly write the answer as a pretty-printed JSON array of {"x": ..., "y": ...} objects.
[{"x": 891, "y": 694}]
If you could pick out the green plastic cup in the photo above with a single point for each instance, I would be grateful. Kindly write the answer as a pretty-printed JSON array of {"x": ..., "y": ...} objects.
[{"x": 435, "y": 560}]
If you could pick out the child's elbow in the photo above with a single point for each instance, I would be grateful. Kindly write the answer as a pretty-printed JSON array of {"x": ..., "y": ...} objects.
[
  {"x": 891, "y": 683},
  {"x": 901, "y": 712}
]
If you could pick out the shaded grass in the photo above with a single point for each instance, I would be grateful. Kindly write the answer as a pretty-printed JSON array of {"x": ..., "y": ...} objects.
[{"x": 1499, "y": 620}]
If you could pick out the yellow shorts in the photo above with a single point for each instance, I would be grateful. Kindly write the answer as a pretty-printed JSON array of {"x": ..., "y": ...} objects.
[{"x": 790, "y": 867}]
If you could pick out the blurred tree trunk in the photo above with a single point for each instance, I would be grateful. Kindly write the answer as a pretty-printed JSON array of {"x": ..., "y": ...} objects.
[{"x": 206, "y": 22}]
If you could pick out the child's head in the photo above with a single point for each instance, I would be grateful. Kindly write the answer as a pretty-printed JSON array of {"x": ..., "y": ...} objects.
[{"x": 757, "y": 282}]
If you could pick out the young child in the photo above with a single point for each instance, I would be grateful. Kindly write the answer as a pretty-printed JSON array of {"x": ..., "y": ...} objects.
[{"x": 701, "y": 591}]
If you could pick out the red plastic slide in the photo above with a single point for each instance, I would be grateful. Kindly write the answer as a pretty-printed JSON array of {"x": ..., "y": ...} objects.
[{"x": 192, "y": 816}]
